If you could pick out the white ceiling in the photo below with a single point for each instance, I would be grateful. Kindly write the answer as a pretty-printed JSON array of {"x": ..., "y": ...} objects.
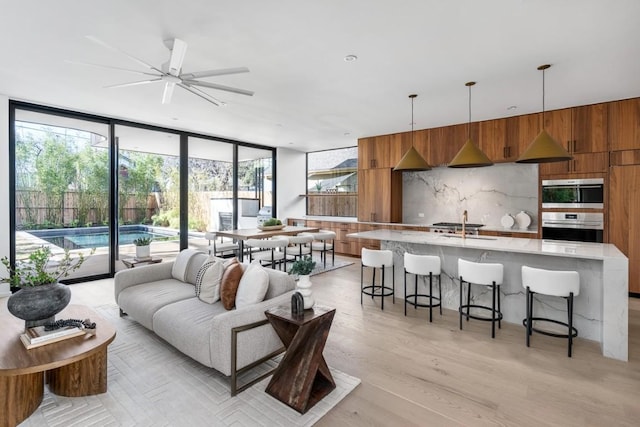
[{"x": 306, "y": 96}]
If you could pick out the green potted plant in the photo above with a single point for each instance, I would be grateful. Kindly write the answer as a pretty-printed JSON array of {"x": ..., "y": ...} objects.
[
  {"x": 303, "y": 267},
  {"x": 143, "y": 247},
  {"x": 40, "y": 297}
]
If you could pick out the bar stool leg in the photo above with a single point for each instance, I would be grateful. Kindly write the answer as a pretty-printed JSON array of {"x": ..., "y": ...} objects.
[
  {"x": 393, "y": 283},
  {"x": 415, "y": 292},
  {"x": 361, "y": 282},
  {"x": 528, "y": 325},
  {"x": 373, "y": 283},
  {"x": 440, "y": 292},
  {"x": 468, "y": 299},
  {"x": 499, "y": 310},
  {"x": 460, "y": 309},
  {"x": 405, "y": 292},
  {"x": 493, "y": 310},
  {"x": 570, "y": 322},
  {"x": 382, "y": 290},
  {"x": 430, "y": 297}
]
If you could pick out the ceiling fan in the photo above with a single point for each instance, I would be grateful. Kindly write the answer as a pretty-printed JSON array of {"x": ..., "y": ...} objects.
[{"x": 170, "y": 73}]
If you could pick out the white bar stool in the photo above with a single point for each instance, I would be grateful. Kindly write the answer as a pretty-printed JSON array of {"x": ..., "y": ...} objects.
[
  {"x": 375, "y": 258},
  {"x": 426, "y": 266},
  {"x": 565, "y": 284},
  {"x": 485, "y": 274},
  {"x": 269, "y": 251}
]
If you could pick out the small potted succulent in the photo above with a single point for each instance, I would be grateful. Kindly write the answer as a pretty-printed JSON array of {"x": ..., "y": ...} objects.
[
  {"x": 40, "y": 296},
  {"x": 303, "y": 268},
  {"x": 143, "y": 247}
]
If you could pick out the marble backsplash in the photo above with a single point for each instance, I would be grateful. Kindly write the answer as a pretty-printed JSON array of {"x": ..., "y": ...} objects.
[{"x": 442, "y": 194}]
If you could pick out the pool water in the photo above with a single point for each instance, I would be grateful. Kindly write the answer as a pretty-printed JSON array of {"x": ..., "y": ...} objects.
[{"x": 98, "y": 240}]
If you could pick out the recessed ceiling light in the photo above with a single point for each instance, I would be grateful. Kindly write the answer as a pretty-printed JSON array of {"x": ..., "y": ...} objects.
[
  {"x": 350, "y": 58},
  {"x": 512, "y": 107},
  {"x": 347, "y": 133}
]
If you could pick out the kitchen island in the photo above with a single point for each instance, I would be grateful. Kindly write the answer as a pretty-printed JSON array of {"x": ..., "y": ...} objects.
[{"x": 600, "y": 310}]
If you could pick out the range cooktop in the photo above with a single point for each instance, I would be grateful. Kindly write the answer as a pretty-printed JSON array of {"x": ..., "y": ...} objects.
[{"x": 456, "y": 224}]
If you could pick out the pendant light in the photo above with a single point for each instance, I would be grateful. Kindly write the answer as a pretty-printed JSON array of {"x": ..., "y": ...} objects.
[
  {"x": 544, "y": 149},
  {"x": 470, "y": 156},
  {"x": 412, "y": 160}
]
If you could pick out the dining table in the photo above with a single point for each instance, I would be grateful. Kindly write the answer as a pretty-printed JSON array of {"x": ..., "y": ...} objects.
[{"x": 242, "y": 234}]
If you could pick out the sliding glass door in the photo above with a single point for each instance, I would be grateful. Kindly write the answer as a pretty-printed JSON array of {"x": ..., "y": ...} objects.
[
  {"x": 148, "y": 192},
  {"x": 61, "y": 194}
]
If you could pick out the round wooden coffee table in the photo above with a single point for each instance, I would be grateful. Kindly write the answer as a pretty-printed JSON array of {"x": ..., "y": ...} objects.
[{"x": 73, "y": 367}]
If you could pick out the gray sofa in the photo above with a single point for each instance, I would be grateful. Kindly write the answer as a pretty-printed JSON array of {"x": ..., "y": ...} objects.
[{"x": 229, "y": 341}]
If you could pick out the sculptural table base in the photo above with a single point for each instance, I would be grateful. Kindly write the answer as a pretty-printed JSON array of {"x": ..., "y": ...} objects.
[{"x": 303, "y": 378}]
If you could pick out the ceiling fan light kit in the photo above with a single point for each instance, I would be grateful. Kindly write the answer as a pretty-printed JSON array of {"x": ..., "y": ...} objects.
[
  {"x": 170, "y": 73},
  {"x": 470, "y": 156},
  {"x": 544, "y": 149},
  {"x": 412, "y": 161}
]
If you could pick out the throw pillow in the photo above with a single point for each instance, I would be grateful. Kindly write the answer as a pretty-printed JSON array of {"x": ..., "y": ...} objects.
[
  {"x": 208, "y": 281},
  {"x": 181, "y": 264},
  {"x": 229, "y": 284},
  {"x": 253, "y": 285}
]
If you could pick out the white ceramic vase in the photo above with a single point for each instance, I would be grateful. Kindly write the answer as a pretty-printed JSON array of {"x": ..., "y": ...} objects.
[{"x": 304, "y": 287}]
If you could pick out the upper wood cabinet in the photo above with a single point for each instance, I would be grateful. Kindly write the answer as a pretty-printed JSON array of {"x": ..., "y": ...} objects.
[
  {"x": 582, "y": 131},
  {"x": 624, "y": 124},
  {"x": 446, "y": 141},
  {"x": 374, "y": 152},
  {"x": 503, "y": 140}
]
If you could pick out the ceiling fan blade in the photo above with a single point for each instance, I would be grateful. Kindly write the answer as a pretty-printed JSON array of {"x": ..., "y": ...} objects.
[
  {"x": 211, "y": 73},
  {"x": 202, "y": 94},
  {"x": 142, "y": 82},
  {"x": 110, "y": 68},
  {"x": 178, "y": 51},
  {"x": 168, "y": 92},
  {"x": 115, "y": 49},
  {"x": 218, "y": 87}
]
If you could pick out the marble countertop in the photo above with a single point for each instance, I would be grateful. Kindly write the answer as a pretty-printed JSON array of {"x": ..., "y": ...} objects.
[
  {"x": 355, "y": 220},
  {"x": 561, "y": 248}
]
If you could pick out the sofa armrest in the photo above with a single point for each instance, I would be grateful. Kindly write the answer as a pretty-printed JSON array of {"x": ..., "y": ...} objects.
[{"x": 138, "y": 275}]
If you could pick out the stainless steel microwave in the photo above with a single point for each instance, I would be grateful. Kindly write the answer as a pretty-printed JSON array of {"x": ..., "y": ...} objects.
[{"x": 573, "y": 193}]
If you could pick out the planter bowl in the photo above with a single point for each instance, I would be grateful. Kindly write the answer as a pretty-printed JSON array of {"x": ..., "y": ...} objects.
[{"x": 38, "y": 305}]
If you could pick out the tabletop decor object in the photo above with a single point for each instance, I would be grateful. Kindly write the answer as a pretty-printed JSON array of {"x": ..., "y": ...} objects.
[
  {"x": 303, "y": 268},
  {"x": 143, "y": 248},
  {"x": 41, "y": 296}
]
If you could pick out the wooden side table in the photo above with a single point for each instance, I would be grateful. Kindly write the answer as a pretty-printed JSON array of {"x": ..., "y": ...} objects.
[
  {"x": 132, "y": 262},
  {"x": 303, "y": 378}
]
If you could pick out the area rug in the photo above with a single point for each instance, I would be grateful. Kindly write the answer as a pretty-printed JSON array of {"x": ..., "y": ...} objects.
[
  {"x": 319, "y": 269},
  {"x": 152, "y": 384}
]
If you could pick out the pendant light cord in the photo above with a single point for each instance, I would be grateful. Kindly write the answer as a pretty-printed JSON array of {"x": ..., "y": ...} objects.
[
  {"x": 412, "y": 133},
  {"x": 469, "y": 122}
]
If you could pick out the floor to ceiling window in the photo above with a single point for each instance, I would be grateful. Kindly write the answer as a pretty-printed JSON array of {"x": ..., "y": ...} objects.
[
  {"x": 211, "y": 204},
  {"x": 332, "y": 182},
  {"x": 80, "y": 188},
  {"x": 62, "y": 188},
  {"x": 148, "y": 191}
]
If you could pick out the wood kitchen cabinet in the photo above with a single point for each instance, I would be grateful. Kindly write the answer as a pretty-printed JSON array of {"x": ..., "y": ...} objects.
[
  {"x": 446, "y": 141},
  {"x": 379, "y": 195},
  {"x": 374, "y": 152},
  {"x": 401, "y": 142},
  {"x": 583, "y": 132},
  {"x": 624, "y": 124},
  {"x": 624, "y": 221}
]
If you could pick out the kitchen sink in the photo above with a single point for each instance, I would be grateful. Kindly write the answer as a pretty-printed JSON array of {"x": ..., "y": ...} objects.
[{"x": 457, "y": 236}]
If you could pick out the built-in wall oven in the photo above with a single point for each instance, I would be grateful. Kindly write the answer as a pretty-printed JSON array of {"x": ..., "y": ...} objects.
[
  {"x": 573, "y": 193},
  {"x": 575, "y": 226}
]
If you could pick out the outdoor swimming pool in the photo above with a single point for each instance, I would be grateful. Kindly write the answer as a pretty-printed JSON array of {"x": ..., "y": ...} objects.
[{"x": 88, "y": 239}]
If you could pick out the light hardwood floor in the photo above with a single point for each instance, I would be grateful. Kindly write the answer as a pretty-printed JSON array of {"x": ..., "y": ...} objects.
[{"x": 422, "y": 374}]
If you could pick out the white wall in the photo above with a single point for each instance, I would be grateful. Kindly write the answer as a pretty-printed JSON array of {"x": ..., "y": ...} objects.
[
  {"x": 4, "y": 184},
  {"x": 292, "y": 182}
]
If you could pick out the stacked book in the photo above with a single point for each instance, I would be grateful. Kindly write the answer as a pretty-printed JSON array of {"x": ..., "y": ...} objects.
[{"x": 37, "y": 336}]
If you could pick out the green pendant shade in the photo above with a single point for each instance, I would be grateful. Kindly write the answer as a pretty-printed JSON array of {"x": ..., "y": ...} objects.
[
  {"x": 470, "y": 156},
  {"x": 544, "y": 149},
  {"x": 412, "y": 161}
]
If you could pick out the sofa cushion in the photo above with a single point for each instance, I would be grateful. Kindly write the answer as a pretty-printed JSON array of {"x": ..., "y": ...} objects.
[
  {"x": 229, "y": 284},
  {"x": 186, "y": 325},
  {"x": 208, "y": 281},
  {"x": 194, "y": 266},
  {"x": 181, "y": 264},
  {"x": 253, "y": 285},
  {"x": 142, "y": 301}
]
